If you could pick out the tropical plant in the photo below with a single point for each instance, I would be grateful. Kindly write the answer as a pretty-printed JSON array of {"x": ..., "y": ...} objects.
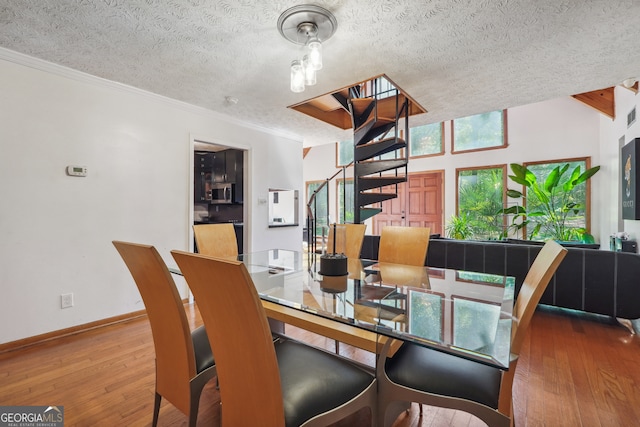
[
  {"x": 480, "y": 195},
  {"x": 550, "y": 202},
  {"x": 459, "y": 227}
]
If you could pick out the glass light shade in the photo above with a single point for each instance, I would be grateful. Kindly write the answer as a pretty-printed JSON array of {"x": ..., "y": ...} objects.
[
  {"x": 314, "y": 48},
  {"x": 297, "y": 77},
  {"x": 309, "y": 72}
]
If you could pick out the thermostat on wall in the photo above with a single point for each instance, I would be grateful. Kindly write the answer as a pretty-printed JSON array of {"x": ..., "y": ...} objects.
[{"x": 77, "y": 170}]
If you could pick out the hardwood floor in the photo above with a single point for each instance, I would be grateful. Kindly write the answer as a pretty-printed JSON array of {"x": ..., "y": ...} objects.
[{"x": 575, "y": 370}]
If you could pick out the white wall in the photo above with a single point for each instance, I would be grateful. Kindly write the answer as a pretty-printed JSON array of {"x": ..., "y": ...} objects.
[
  {"x": 555, "y": 129},
  {"x": 626, "y": 100},
  {"x": 56, "y": 230}
]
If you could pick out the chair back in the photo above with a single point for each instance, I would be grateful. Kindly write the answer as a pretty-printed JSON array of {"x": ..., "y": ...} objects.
[
  {"x": 534, "y": 285},
  {"x": 216, "y": 240},
  {"x": 404, "y": 245},
  {"x": 348, "y": 242},
  {"x": 175, "y": 357},
  {"x": 240, "y": 339}
]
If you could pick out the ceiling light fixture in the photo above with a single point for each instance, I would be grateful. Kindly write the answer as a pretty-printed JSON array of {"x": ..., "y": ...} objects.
[{"x": 306, "y": 25}]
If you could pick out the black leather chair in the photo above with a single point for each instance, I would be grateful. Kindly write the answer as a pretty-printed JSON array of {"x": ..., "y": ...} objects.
[
  {"x": 428, "y": 376},
  {"x": 262, "y": 382},
  {"x": 184, "y": 361}
]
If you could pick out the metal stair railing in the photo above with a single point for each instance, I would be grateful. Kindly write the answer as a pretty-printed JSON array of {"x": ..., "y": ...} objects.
[{"x": 312, "y": 209}]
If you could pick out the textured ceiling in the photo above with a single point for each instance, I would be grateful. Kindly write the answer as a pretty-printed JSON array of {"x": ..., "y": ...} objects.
[{"x": 454, "y": 57}]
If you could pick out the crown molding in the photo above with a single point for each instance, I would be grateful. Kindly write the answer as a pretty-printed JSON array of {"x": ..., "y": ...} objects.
[{"x": 70, "y": 73}]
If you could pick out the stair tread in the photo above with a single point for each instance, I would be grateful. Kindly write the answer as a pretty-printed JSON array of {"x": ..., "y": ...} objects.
[
  {"x": 375, "y": 166},
  {"x": 381, "y": 121},
  {"x": 366, "y": 213},
  {"x": 365, "y": 199},
  {"x": 372, "y": 128},
  {"x": 369, "y": 183},
  {"x": 378, "y": 193},
  {"x": 383, "y": 178},
  {"x": 377, "y": 148}
]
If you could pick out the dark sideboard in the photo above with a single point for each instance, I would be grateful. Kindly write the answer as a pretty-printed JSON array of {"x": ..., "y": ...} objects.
[{"x": 591, "y": 280}]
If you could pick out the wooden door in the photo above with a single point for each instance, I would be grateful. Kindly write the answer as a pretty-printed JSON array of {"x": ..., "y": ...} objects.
[
  {"x": 419, "y": 204},
  {"x": 393, "y": 210}
]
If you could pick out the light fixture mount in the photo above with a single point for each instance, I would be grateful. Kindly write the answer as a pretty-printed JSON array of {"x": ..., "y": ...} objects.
[{"x": 299, "y": 23}]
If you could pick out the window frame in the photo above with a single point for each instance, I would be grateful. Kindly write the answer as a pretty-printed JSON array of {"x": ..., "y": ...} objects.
[
  {"x": 308, "y": 195},
  {"x": 420, "y": 156},
  {"x": 587, "y": 202},
  {"x": 505, "y": 135},
  {"x": 502, "y": 166}
]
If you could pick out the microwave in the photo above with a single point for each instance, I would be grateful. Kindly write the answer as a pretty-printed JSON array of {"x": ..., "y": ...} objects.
[{"x": 222, "y": 193}]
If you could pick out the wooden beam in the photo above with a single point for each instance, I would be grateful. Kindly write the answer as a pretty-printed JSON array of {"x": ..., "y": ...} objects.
[{"x": 602, "y": 100}]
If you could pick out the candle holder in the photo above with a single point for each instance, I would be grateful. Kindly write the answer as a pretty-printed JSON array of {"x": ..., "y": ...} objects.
[{"x": 334, "y": 263}]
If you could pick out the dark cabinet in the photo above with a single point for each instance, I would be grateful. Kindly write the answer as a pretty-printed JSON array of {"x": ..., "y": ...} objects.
[
  {"x": 220, "y": 167},
  {"x": 203, "y": 176},
  {"x": 234, "y": 172},
  {"x": 216, "y": 168},
  {"x": 227, "y": 166},
  {"x": 204, "y": 161}
]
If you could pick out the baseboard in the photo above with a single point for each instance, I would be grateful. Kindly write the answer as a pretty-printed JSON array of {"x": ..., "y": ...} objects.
[{"x": 37, "y": 339}]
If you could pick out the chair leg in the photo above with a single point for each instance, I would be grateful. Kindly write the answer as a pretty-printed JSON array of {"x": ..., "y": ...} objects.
[
  {"x": 337, "y": 347},
  {"x": 193, "y": 407},
  {"x": 156, "y": 410}
]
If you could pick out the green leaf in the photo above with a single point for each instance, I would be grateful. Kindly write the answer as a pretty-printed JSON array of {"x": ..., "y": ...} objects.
[
  {"x": 519, "y": 170},
  {"x": 535, "y": 231},
  {"x": 564, "y": 169},
  {"x": 513, "y": 210},
  {"x": 530, "y": 177},
  {"x": 514, "y": 194},
  {"x": 519, "y": 180},
  {"x": 570, "y": 184},
  {"x": 586, "y": 175},
  {"x": 552, "y": 180},
  {"x": 540, "y": 194}
]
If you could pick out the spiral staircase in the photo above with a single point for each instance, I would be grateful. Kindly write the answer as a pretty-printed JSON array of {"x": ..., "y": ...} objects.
[{"x": 378, "y": 111}]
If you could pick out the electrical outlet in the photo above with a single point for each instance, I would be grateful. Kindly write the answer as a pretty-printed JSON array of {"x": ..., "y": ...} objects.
[{"x": 66, "y": 300}]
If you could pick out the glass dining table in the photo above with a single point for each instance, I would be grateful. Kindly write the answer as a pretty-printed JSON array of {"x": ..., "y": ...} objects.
[{"x": 465, "y": 313}]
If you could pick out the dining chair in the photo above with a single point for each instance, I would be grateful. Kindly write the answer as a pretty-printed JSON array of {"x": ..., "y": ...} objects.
[
  {"x": 184, "y": 361},
  {"x": 348, "y": 242},
  {"x": 404, "y": 245},
  {"x": 262, "y": 382},
  {"x": 427, "y": 376},
  {"x": 216, "y": 240}
]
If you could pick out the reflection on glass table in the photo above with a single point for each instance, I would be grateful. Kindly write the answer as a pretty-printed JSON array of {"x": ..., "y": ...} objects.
[
  {"x": 469, "y": 315},
  {"x": 466, "y": 314}
]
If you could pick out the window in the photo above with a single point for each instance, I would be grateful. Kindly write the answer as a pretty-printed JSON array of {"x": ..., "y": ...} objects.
[
  {"x": 344, "y": 153},
  {"x": 576, "y": 218},
  {"x": 319, "y": 206},
  {"x": 346, "y": 201},
  {"x": 480, "y": 197},
  {"x": 479, "y": 132},
  {"x": 426, "y": 140}
]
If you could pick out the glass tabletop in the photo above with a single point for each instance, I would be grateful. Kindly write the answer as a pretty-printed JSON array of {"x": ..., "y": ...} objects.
[{"x": 460, "y": 312}]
